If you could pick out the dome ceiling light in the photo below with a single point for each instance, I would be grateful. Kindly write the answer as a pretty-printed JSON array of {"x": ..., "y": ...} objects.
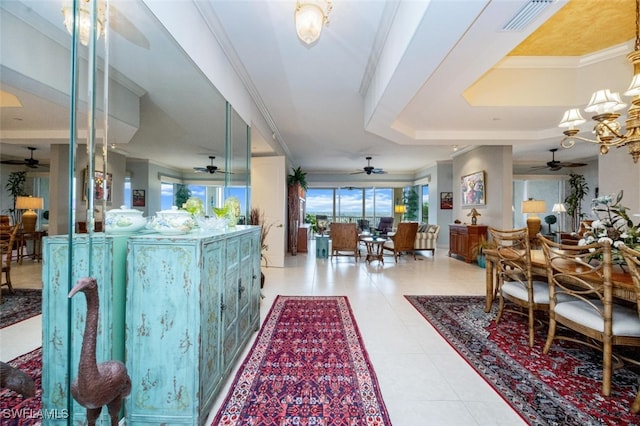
[{"x": 310, "y": 16}]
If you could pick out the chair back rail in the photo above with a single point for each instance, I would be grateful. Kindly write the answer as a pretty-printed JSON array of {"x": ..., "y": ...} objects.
[
  {"x": 632, "y": 259},
  {"x": 344, "y": 239},
  {"x": 584, "y": 300},
  {"x": 403, "y": 240},
  {"x": 515, "y": 281}
]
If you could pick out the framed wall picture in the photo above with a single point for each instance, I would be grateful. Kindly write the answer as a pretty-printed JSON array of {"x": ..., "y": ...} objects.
[
  {"x": 101, "y": 182},
  {"x": 446, "y": 200},
  {"x": 138, "y": 198},
  {"x": 473, "y": 189}
]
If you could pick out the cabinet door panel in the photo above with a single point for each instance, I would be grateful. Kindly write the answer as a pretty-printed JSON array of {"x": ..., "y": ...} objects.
[
  {"x": 210, "y": 317},
  {"x": 230, "y": 300}
]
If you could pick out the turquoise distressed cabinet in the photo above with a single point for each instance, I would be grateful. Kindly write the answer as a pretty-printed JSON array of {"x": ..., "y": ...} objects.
[
  {"x": 108, "y": 259},
  {"x": 192, "y": 304}
]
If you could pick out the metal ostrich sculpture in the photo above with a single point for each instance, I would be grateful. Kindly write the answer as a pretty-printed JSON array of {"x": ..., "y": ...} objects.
[{"x": 101, "y": 384}]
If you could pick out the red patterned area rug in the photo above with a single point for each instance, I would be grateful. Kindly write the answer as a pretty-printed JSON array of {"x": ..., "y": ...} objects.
[
  {"x": 308, "y": 366},
  {"x": 23, "y": 303},
  {"x": 561, "y": 388},
  {"x": 16, "y": 410}
]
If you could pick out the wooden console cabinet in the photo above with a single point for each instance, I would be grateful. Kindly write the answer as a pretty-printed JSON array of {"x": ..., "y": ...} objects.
[{"x": 463, "y": 238}]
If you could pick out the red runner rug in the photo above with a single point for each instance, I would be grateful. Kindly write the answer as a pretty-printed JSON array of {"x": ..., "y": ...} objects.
[
  {"x": 560, "y": 388},
  {"x": 308, "y": 366},
  {"x": 16, "y": 410}
]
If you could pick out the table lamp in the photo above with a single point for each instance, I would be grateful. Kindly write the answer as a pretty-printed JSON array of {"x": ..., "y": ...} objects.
[
  {"x": 559, "y": 208},
  {"x": 533, "y": 221},
  {"x": 400, "y": 209},
  {"x": 474, "y": 214},
  {"x": 30, "y": 217}
]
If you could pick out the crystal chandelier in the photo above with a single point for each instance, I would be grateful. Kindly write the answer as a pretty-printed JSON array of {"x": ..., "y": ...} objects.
[
  {"x": 310, "y": 17},
  {"x": 84, "y": 19},
  {"x": 605, "y": 104}
]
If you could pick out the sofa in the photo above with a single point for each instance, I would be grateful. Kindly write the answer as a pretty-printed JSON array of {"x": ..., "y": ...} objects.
[{"x": 427, "y": 237}]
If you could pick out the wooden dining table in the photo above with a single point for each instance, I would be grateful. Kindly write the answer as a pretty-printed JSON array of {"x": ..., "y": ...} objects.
[{"x": 623, "y": 287}]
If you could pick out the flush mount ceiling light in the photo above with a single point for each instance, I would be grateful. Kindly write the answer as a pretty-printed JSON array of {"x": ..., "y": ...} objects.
[
  {"x": 84, "y": 19},
  {"x": 605, "y": 104},
  {"x": 310, "y": 16}
]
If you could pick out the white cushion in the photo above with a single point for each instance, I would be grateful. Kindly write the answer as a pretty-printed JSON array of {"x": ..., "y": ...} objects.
[
  {"x": 625, "y": 320},
  {"x": 518, "y": 290}
]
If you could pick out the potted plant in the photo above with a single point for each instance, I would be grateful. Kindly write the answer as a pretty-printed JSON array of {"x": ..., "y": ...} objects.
[
  {"x": 311, "y": 219},
  {"x": 578, "y": 190},
  {"x": 256, "y": 217},
  {"x": 297, "y": 183},
  {"x": 478, "y": 251},
  {"x": 15, "y": 186},
  {"x": 550, "y": 220}
]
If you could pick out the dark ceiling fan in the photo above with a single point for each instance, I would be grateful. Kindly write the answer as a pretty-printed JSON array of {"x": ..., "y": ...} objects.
[
  {"x": 29, "y": 162},
  {"x": 555, "y": 165},
  {"x": 210, "y": 168},
  {"x": 369, "y": 169}
]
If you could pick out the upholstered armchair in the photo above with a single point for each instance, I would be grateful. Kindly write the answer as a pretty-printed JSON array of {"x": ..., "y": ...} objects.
[
  {"x": 403, "y": 240},
  {"x": 384, "y": 226},
  {"x": 344, "y": 240},
  {"x": 427, "y": 237}
]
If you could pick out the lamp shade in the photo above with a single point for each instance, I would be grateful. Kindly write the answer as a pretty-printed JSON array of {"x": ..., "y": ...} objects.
[
  {"x": 400, "y": 208},
  {"x": 559, "y": 208},
  {"x": 534, "y": 206},
  {"x": 29, "y": 218},
  {"x": 29, "y": 203},
  {"x": 571, "y": 118}
]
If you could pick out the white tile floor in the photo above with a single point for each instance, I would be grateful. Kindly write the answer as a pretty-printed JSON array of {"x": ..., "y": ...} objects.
[{"x": 423, "y": 380}]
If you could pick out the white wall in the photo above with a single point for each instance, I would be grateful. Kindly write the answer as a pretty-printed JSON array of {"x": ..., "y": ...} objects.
[
  {"x": 269, "y": 194},
  {"x": 496, "y": 161},
  {"x": 617, "y": 171}
]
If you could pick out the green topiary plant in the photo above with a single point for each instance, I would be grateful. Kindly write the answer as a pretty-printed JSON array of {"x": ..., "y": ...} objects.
[{"x": 550, "y": 220}]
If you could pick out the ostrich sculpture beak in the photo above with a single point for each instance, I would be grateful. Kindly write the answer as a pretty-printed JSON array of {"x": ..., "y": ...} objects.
[{"x": 82, "y": 285}]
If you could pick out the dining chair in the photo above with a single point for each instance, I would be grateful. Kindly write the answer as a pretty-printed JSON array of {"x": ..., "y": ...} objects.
[
  {"x": 403, "y": 241},
  {"x": 582, "y": 275},
  {"x": 515, "y": 281},
  {"x": 6, "y": 254},
  {"x": 344, "y": 240},
  {"x": 632, "y": 260}
]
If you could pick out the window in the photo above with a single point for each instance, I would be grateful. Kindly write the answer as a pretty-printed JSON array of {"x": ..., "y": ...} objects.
[
  {"x": 350, "y": 204},
  {"x": 166, "y": 197},
  {"x": 549, "y": 190}
]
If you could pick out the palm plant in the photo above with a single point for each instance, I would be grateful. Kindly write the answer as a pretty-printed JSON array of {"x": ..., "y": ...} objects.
[{"x": 579, "y": 189}]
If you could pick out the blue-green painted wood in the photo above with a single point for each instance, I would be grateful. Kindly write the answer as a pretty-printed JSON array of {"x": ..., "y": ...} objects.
[
  {"x": 108, "y": 267},
  {"x": 183, "y": 306}
]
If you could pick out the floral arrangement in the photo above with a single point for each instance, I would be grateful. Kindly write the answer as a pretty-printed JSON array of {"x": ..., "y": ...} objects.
[
  {"x": 612, "y": 224},
  {"x": 230, "y": 210},
  {"x": 195, "y": 206}
]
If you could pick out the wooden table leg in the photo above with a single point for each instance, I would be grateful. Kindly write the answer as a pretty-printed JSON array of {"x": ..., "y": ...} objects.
[{"x": 489, "y": 285}]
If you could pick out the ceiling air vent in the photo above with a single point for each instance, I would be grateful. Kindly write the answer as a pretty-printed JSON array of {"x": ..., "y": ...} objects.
[{"x": 528, "y": 13}]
